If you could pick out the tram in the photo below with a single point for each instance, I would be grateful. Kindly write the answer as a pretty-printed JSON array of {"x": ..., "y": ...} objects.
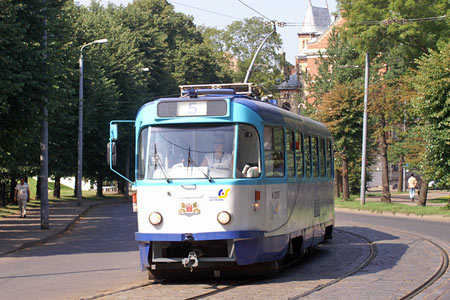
[{"x": 225, "y": 180}]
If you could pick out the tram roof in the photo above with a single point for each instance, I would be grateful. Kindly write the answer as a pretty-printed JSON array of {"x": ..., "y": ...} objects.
[
  {"x": 246, "y": 94},
  {"x": 269, "y": 113}
]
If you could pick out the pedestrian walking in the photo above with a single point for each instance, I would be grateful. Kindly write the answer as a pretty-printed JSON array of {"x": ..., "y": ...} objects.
[
  {"x": 22, "y": 196},
  {"x": 412, "y": 185}
]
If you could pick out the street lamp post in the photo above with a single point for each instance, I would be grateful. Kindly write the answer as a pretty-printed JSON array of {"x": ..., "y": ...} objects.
[{"x": 80, "y": 122}]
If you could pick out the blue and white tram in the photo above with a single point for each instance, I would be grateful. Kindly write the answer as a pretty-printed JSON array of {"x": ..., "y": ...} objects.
[{"x": 226, "y": 180}]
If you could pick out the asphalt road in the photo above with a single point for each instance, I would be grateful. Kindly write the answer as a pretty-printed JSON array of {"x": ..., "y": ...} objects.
[
  {"x": 431, "y": 228},
  {"x": 101, "y": 255},
  {"x": 98, "y": 254}
]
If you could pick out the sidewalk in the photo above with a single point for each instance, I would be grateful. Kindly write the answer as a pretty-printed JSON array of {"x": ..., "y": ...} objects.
[
  {"x": 404, "y": 198},
  {"x": 17, "y": 233}
]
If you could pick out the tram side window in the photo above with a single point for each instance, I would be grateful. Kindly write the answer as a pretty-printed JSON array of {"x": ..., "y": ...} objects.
[
  {"x": 315, "y": 156},
  {"x": 274, "y": 151},
  {"x": 248, "y": 162},
  {"x": 330, "y": 160},
  {"x": 323, "y": 157},
  {"x": 290, "y": 153},
  {"x": 300, "y": 160},
  {"x": 308, "y": 155}
]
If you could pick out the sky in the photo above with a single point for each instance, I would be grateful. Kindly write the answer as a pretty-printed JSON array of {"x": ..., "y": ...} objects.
[{"x": 220, "y": 13}]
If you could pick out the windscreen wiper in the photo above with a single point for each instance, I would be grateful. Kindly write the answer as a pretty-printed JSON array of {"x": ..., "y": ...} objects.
[
  {"x": 159, "y": 163},
  {"x": 191, "y": 161}
]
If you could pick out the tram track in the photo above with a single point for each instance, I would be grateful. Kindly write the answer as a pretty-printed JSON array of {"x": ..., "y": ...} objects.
[
  {"x": 442, "y": 269},
  {"x": 372, "y": 255},
  {"x": 373, "y": 252},
  {"x": 254, "y": 280}
]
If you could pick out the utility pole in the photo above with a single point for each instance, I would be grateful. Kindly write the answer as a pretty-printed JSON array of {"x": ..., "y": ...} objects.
[
  {"x": 364, "y": 141},
  {"x": 44, "y": 137}
]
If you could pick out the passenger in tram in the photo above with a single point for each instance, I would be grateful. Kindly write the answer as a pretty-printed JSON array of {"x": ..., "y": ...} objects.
[{"x": 218, "y": 159}]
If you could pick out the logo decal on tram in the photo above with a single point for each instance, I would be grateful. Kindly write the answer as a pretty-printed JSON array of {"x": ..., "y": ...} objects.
[
  {"x": 189, "y": 209},
  {"x": 222, "y": 194}
]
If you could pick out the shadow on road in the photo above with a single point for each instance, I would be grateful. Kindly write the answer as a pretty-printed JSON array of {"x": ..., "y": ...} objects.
[{"x": 108, "y": 228}]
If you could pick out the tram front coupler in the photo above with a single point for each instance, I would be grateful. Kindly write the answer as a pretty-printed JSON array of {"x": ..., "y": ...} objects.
[{"x": 191, "y": 261}]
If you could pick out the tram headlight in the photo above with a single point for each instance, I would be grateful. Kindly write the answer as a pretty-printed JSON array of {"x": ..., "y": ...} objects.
[
  {"x": 224, "y": 218},
  {"x": 155, "y": 218}
]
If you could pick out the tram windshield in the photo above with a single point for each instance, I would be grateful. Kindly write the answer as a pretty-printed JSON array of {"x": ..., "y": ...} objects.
[{"x": 183, "y": 151}]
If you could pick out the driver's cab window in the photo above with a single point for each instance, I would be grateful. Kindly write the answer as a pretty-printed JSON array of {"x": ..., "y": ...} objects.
[{"x": 248, "y": 161}]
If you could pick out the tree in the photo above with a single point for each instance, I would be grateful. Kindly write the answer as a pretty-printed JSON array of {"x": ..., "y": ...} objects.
[
  {"x": 23, "y": 87},
  {"x": 105, "y": 85},
  {"x": 240, "y": 39},
  {"x": 386, "y": 109},
  {"x": 146, "y": 34},
  {"x": 341, "y": 110},
  {"x": 392, "y": 25},
  {"x": 395, "y": 32},
  {"x": 432, "y": 82},
  {"x": 62, "y": 94},
  {"x": 337, "y": 90},
  {"x": 174, "y": 49}
]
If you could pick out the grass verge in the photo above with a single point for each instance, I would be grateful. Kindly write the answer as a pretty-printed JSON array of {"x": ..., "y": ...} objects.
[{"x": 67, "y": 194}]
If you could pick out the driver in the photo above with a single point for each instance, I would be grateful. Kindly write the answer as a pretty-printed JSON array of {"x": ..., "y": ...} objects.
[{"x": 218, "y": 159}]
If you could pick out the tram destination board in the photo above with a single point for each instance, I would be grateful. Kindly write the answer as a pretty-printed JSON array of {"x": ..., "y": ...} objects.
[{"x": 192, "y": 108}]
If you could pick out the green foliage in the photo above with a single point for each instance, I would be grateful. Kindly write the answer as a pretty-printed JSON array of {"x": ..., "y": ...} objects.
[
  {"x": 145, "y": 34},
  {"x": 341, "y": 110},
  {"x": 61, "y": 92},
  {"x": 386, "y": 24},
  {"x": 341, "y": 65},
  {"x": 395, "y": 33},
  {"x": 240, "y": 40},
  {"x": 338, "y": 95},
  {"x": 394, "y": 208},
  {"x": 432, "y": 82}
]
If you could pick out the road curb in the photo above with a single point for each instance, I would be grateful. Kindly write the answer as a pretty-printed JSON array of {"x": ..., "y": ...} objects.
[
  {"x": 391, "y": 214},
  {"x": 61, "y": 232}
]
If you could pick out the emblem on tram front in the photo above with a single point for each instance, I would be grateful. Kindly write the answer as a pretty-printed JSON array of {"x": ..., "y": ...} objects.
[
  {"x": 223, "y": 194},
  {"x": 189, "y": 209}
]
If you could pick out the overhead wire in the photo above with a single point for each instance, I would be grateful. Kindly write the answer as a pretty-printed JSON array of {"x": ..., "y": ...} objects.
[
  {"x": 404, "y": 21},
  {"x": 205, "y": 10},
  {"x": 386, "y": 22},
  {"x": 255, "y": 11},
  {"x": 280, "y": 24}
]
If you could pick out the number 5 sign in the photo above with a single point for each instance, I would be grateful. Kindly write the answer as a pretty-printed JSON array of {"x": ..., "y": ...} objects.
[{"x": 197, "y": 108}]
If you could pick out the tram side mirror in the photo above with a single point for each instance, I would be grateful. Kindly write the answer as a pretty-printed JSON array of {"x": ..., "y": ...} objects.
[
  {"x": 111, "y": 154},
  {"x": 113, "y": 132}
]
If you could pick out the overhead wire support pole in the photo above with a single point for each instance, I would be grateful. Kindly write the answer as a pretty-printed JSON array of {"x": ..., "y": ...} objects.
[
  {"x": 364, "y": 139},
  {"x": 274, "y": 30},
  {"x": 45, "y": 223}
]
